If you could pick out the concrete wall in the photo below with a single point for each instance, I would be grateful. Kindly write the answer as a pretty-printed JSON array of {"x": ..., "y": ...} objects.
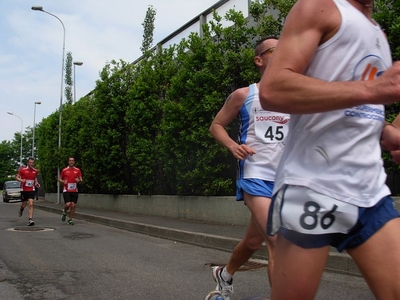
[{"x": 223, "y": 210}]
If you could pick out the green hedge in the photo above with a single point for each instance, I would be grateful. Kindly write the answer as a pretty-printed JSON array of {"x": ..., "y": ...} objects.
[{"x": 144, "y": 127}]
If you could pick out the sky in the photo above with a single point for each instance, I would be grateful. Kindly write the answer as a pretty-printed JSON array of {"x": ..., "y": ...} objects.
[{"x": 96, "y": 32}]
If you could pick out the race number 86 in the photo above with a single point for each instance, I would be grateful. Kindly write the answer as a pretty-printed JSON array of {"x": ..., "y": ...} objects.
[{"x": 309, "y": 219}]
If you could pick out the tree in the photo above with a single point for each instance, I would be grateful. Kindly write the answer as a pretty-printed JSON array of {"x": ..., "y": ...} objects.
[
  {"x": 110, "y": 131},
  {"x": 48, "y": 152},
  {"x": 145, "y": 111},
  {"x": 148, "y": 29},
  {"x": 68, "y": 79},
  {"x": 387, "y": 14},
  {"x": 210, "y": 69},
  {"x": 145, "y": 126},
  {"x": 270, "y": 15},
  {"x": 8, "y": 163}
]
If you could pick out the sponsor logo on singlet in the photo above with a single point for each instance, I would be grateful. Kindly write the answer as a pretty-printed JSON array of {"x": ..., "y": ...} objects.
[{"x": 369, "y": 68}]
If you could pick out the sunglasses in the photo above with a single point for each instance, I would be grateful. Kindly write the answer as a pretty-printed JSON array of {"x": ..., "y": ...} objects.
[{"x": 271, "y": 49}]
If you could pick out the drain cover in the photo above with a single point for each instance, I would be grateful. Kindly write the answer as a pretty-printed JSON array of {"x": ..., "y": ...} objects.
[{"x": 29, "y": 229}]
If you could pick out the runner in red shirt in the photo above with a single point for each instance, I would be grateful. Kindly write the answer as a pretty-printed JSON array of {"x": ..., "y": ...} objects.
[
  {"x": 28, "y": 178},
  {"x": 69, "y": 177}
]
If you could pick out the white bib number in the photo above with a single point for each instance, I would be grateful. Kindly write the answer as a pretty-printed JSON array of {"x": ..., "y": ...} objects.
[
  {"x": 29, "y": 183},
  {"x": 71, "y": 186},
  {"x": 308, "y": 212},
  {"x": 271, "y": 127}
]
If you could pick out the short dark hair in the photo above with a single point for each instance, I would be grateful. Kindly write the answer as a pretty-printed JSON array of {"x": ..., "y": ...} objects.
[
  {"x": 259, "y": 42},
  {"x": 31, "y": 158}
]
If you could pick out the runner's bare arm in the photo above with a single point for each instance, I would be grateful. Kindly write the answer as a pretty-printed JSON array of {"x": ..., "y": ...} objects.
[
  {"x": 227, "y": 113},
  {"x": 284, "y": 88}
]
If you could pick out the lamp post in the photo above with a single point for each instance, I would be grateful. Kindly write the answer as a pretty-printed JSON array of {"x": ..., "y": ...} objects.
[
  {"x": 40, "y": 8},
  {"x": 33, "y": 130},
  {"x": 76, "y": 63},
  {"x": 22, "y": 126}
]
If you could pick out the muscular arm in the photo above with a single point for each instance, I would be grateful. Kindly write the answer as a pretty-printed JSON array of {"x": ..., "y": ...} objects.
[
  {"x": 227, "y": 113},
  {"x": 283, "y": 86}
]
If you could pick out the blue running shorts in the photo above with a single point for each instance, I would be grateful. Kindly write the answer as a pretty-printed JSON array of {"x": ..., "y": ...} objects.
[
  {"x": 254, "y": 187},
  {"x": 368, "y": 220}
]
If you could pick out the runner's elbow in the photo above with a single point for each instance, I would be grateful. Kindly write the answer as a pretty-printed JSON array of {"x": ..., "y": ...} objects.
[{"x": 268, "y": 98}]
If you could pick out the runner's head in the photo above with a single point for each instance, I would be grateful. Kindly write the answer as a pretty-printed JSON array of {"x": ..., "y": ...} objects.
[
  {"x": 263, "y": 51},
  {"x": 71, "y": 161},
  {"x": 31, "y": 162}
]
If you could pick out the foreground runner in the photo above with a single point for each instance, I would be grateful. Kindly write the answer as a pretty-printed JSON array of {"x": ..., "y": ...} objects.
[{"x": 332, "y": 70}]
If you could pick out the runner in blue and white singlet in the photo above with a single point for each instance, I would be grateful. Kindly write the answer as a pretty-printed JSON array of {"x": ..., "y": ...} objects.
[
  {"x": 265, "y": 132},
  {"x": 258, "y": 150}
]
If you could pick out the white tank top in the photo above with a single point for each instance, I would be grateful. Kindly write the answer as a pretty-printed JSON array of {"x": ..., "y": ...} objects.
[
  {"x": 265, "y": 132},
  {"x": 338, "y": 153}
]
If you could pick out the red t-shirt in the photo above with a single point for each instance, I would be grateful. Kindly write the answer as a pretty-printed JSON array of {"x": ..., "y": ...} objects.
[
  {"x": 70, "y": 174},
  {"x": 29, "y": 174}
]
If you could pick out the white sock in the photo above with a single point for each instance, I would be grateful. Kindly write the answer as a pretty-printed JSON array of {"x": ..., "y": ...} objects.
[{"x": 225, "y": 275}]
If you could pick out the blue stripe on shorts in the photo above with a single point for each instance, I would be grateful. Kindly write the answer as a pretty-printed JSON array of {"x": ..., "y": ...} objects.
[{"x": 254, "y": 187}]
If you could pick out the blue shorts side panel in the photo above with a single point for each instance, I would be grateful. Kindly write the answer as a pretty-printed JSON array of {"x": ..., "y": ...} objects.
[
  {"x": 370, "y": 221},
  {"x": 254, "y": 187}
]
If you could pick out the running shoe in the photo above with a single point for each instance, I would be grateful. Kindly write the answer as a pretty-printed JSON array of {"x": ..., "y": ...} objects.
[
  {"x": 20, "y": 212},
  {"x": 215, "y": 295},
  {"x": 31, "y": 222},
  {"x": 226, "y": 288},
  {"x": 63, "y": 216},
  {"x": 70, "y": 222}
]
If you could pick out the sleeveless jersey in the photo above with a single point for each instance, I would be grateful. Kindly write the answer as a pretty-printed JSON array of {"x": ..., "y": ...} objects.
[
  {"x": 265, "y": 132},
  {"x": 338, "y": 153}
]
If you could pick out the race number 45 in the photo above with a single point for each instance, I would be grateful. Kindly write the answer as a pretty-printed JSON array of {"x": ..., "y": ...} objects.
[
  {"x": 270, "y": 132},
  {"x": 277, "y": 135}
]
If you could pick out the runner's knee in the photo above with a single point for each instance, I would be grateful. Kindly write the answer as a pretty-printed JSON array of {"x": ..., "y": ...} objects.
[{"x": 253, "y": 244}]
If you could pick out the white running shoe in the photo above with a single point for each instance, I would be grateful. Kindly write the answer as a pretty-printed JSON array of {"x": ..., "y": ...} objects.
[{"x": 226, "y": 288}]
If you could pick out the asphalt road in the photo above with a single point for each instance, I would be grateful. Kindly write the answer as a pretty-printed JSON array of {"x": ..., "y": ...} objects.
[{"x": 92, "y": 261}]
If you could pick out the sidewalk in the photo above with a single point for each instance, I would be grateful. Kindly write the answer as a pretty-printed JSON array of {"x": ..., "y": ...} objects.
[{"x": 216, "y": 236}]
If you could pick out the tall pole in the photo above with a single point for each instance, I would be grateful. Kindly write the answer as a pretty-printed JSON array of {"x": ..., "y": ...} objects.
[
  {"x": 33, "y": 128},
  {"x": 76, "y": 63},
  {"x": 40, "y": 8},
  {"x": 22, "y": 126}
]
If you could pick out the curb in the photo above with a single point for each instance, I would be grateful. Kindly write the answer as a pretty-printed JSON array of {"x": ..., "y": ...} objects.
[{"x": 337, "y": 262}]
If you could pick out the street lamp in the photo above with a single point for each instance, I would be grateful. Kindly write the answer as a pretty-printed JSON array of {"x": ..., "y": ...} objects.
[
  {"x": 40, "y": 8},
  {"x": 76, "y": 63},
  {"x": 33, "y": 130},
  {"x": 22, "y": 126}
]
